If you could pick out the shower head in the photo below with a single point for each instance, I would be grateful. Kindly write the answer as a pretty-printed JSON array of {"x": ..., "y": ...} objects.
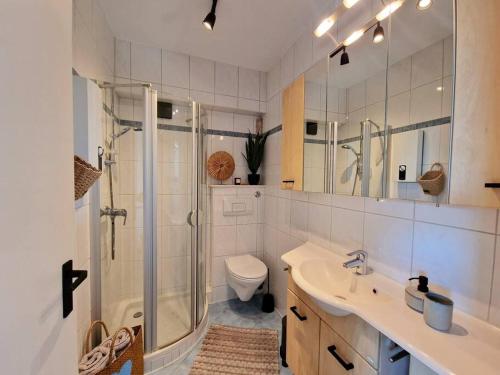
[{"x": 349, "y": 147}]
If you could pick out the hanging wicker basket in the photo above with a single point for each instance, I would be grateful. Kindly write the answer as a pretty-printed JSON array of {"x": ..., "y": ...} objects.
[
  {"x": 432, "y": 182},
  {"x": 220, "y": 165},
  {"x": 85, "y": 176}
]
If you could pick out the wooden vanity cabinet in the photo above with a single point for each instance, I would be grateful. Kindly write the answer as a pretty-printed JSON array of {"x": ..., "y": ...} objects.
[
  {"x": 292, "y": 140},
  {"x": 312, "y": 335}
]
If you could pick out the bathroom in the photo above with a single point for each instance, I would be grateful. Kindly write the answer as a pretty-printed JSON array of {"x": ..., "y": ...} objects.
[{"x": 379, "y": 165}]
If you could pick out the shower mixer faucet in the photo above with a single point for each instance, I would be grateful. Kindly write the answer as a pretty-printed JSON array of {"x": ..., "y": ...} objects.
[{"x": 114, "y": 212}]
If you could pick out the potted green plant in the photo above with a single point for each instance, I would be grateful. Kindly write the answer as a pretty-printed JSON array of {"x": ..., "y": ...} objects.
[{"x": 254, "y": 148}]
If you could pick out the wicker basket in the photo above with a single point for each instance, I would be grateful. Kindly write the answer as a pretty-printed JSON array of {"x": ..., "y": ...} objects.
[
  {"x": 85, "y": 176},
  {"x": 130, "y": 360},
  {"x": 220, "y": 165},
  {"x": 432, "y": 181}
]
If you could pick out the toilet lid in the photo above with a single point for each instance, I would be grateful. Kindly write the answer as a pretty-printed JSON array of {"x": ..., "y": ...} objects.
[{"x": 246, "y": 267}]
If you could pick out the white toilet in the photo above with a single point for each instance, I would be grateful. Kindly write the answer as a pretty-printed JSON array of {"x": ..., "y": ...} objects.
[{"x": 244, "y": 273}]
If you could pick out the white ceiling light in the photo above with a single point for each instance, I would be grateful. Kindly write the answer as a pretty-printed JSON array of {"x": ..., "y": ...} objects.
[
  {"x": 349, "y": 3},
  {"x": 324, "y": 26},
  {"x": 423, "y": 4},
  {"x": 389, "y": 9},
  {"x": 353, "y": 37}
]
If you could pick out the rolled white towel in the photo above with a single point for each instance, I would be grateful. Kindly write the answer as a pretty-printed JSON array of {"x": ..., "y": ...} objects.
[
  {"x": 95, "y": 360},
  {"x": 122, "y": 341}
]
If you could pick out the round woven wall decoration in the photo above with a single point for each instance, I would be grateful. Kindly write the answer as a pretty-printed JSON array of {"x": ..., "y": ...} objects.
[{"x": 220, "y": 165}]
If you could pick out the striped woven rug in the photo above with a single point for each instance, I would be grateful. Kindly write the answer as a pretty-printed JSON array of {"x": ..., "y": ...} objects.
[{"x": 235, "y": 350}]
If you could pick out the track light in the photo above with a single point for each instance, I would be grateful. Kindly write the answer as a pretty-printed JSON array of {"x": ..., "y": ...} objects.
[
  {"x": 344, "y": 58},
  {"x": 389, "y": 9},
  {"x": 324, "y": 26},
  {"x": 378, "y": 34},
  {"x": 209, "y": 21},
  {"x": 349, "y": 3},
  {"x": 424, "y": 4},
  {"x": 353, "y": 37}
]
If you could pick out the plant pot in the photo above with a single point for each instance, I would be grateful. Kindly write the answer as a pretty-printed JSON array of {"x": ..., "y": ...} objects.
[{"x": 253, "y": 179}]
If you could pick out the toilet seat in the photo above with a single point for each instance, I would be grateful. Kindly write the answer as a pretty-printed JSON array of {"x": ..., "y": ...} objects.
[{"x": 246, "y": 267}]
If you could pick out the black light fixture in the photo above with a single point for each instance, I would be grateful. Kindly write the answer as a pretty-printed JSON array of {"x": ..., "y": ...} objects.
[
  {"x": 344, "y": 58},
  {"x": 378, "y": 34},
  {"x": 209, "y": 21}
]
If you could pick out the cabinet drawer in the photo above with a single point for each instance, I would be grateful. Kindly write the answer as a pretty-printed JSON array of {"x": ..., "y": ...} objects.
[
  {"x": 302, "y": 337},
  {"x": 337, "y": 357},
  {"x": 359, "y": 334}
]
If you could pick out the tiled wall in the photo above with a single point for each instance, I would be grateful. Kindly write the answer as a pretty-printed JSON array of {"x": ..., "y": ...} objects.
[
  {"x": 233, "y": 235},
  {"x": 176, "y": 74},
  {"x": 454, "y": 245}
]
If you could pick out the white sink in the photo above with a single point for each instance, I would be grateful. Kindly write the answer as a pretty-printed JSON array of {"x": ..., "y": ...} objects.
[
  {"x": 335, "y": 288},
  {"x": 471, "y": 347}
]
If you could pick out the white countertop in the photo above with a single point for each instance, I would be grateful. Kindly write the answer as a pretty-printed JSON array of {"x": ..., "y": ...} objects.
[{"x": 471, "y": 347}]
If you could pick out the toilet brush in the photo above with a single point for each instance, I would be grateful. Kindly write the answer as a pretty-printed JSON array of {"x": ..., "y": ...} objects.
[{"x": 268, "y": 299}]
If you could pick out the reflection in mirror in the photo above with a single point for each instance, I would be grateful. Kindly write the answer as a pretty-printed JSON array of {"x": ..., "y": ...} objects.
[
  {"x": 315, "y": 128},
  {"x": 358, "y": 87},
  {"x": 420, "y": 81}
]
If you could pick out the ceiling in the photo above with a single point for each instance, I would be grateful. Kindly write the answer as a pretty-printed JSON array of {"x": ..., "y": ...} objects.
[{"x": 248, "y": 33}]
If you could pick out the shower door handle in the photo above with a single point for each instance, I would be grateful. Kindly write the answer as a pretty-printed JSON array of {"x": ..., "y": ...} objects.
[{"x": 190, "y": 218}]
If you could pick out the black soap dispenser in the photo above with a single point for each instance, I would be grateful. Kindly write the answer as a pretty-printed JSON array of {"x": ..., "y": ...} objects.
[{"x": 414, "y": 295}]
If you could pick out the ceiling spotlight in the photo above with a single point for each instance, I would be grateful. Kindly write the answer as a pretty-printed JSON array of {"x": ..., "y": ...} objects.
[
  {"x": 209, "y": 21},
  {"x": 349, "y": 3},
  {"x": 344, "y": 58},
  {"x": 423, "y": 4},
  {"x": 389, "y": 9},
  {"x": 324, "y": 26},
  {"x": 353, "y": 37},
  {"x": 378, "y": 35}
]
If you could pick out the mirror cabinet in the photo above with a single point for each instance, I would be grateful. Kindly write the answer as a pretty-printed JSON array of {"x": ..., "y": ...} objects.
[{"x": 373, "y": 118}]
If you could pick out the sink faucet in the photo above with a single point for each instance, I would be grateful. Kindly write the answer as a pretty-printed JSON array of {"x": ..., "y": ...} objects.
[{"x": 360, "y": 262}]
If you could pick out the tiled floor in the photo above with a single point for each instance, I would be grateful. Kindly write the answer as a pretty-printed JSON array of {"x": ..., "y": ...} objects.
[{"x": 235, "y": 313}]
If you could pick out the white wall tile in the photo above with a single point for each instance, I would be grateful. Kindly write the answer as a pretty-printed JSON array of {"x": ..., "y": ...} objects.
[
  {"x": 375, "y": 88},
  {"x": 263, "y": 87},
  {"x": 226, "y": 79},
  {"x": 427, "y": 65},
  {"x": 246, "y": 239},
  {"x": 357, "y": 96},
  {"x": 244, "y": 123},
  {"x": 388, "y": 241},
  {"x": 398, "y": 110},
  {"x": 426, "y": 102},
  {"x": 145, "y": 63},
  {"x": 474, "y": 218},
  {"x": 399, "y": 79},
  {"x": 319, "y": 224},
  {"x": 226, "y": 101},
  {"x": 201, "y": 74},
  {"x": 298, "y": 221},
  {"x": 248, "y": 105},
  {"x": 202, "y": 97},
  {"x": 222, "y": 120},
  {"x": 248, "y": 84},
  {"x": 459, "y": 262},
  {"x": 218, "y": 217},
  {"x": 349, "y": 202},
  {"x": 175, "y": 69},
  {"x": 392, "y": 207},
  {"x": 347, "y": 230},
  {"x": 224, "y": 240},
  {"x": 448, "y": 56}
]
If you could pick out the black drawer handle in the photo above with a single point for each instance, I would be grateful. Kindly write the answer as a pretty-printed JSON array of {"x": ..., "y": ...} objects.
[
  {"x": 396, "y": 357},
  {"x": 288, "y": 181},
  {"x": 346, "y": 365},
  {"x": 294, "y": 310}
]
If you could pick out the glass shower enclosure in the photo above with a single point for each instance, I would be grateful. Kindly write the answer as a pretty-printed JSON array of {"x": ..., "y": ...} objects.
[{"x": 152, "y": 202}]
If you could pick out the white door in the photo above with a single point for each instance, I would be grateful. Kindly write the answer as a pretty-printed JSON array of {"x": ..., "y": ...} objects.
[{"x": 36, "y": 186}]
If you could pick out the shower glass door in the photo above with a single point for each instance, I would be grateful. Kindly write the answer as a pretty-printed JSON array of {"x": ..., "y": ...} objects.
[{"x": 176, "y": 237}]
